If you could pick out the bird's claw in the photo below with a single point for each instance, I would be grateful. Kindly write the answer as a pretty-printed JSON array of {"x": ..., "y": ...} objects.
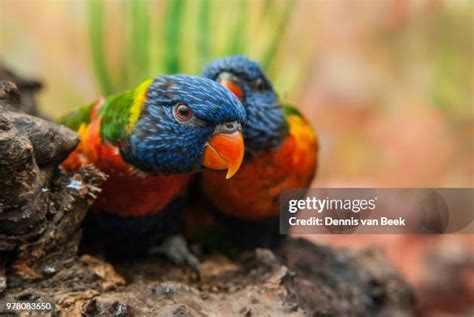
[{"x": 175, "y": 248}]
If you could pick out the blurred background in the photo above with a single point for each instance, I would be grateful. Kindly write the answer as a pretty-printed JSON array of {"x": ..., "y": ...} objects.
[{"x": 387, "y": 84}]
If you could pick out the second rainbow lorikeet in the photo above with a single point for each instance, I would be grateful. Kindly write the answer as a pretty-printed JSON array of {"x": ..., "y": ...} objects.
[
  {"x": 148, "y": 141},
  {"x": 280, "y": 152}
]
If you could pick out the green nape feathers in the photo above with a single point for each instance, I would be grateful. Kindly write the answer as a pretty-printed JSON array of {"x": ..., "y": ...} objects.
[
  {"x": 290, "y": 110},
  {"x": 119, "y": 113},
  {"x": 79, "y": 116}
]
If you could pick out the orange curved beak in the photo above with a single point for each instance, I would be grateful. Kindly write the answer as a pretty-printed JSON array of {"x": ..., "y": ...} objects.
[
  {"x": 233, "y": 87},
  {"x": 224, "y": 151}
]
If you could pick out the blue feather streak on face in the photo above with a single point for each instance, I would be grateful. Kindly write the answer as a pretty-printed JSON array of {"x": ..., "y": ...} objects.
[
  {"x": 266, "y": 126},
  {"x": 160, "y": 143}
]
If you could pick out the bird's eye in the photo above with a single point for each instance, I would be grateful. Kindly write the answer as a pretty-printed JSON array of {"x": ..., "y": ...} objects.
[
  {"x": 259, "y": 84},
  {"x": 183, "y": 112}
]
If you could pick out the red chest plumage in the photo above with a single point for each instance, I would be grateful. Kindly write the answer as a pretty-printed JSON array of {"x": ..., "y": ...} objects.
[
  {"x": 126, "y": 192},
  {"x": 130, "y": 195},
  {"x": 253, "y": 193}
]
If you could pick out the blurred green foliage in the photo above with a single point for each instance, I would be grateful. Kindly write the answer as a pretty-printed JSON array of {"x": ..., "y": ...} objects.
[
  {"x": 180, "y": 36},
  {"x": 387, "y": 84},
  {"x": 452, "y": 60}
]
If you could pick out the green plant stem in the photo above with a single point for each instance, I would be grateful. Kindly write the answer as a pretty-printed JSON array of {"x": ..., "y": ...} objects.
[
  {"x": 203, "y": 43},
  {"x": 96, "y": 17},
  {"x": 139, "y": 44},
  {"x": 237, "y": 32},
  {"x": 279, "y": 32},
  {"x": 172, "y": 34}
]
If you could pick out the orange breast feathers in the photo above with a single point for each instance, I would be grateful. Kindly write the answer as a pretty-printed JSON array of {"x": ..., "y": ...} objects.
[
  {"x": 253, "y": 193},
  {"x": 126, "y": 191}
]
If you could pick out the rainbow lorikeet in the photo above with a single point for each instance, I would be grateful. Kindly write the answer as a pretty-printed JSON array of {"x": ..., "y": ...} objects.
[
  {"x": 149, "y": 141},
  {"x": 280, "y": 152}
]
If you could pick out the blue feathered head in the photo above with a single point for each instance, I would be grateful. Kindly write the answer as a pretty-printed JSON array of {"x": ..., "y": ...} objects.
[
  {"x": 187, "y": 122},
  {"x": 266, "y": 125}
]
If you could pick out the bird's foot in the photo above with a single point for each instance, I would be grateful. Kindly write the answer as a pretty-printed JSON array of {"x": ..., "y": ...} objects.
[{"x": 176, "y": 249}]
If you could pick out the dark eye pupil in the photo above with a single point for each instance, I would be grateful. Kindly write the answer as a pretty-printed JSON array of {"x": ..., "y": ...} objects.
[{"x": 184, "y": 111}]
